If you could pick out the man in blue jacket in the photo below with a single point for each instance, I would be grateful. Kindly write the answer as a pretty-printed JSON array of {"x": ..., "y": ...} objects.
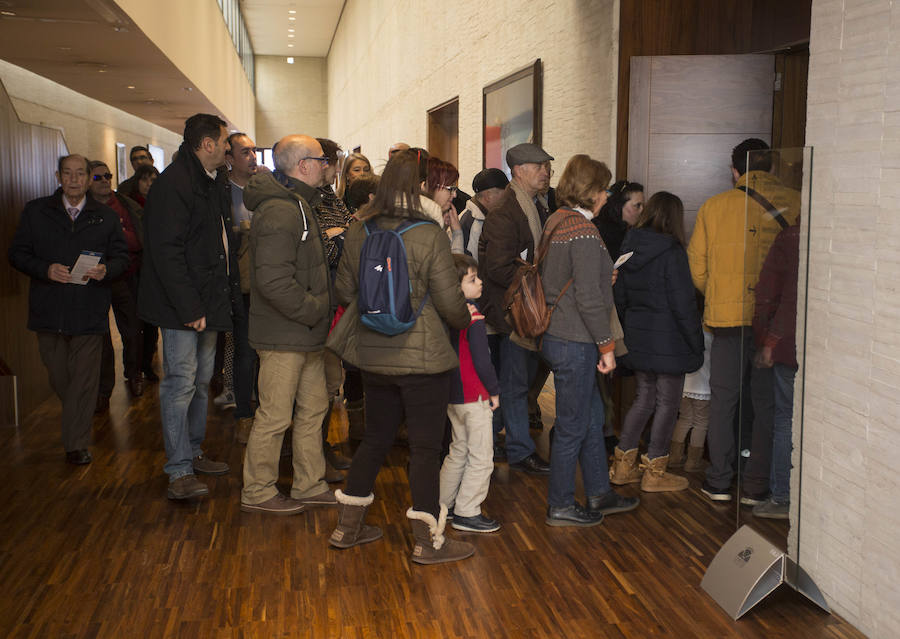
[
  {"x": 189, "y": 281},
  {"x": 70, "y": 315}
]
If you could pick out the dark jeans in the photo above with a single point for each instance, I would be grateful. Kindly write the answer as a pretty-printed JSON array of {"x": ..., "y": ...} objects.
[
  {"x": 124, "y": 305},
  {"x": 758, "y": 468},
  {"x": 780, "y": 477},
  {"x": 422, "y": 401},
  {"x": 517, "y": 369},
  {"x": 659, "y": 395},
  {"x": 245, "y": 361},
  {"x": 73, "y": 363},
  {"x": 729, "y": 365},
  {"x": 579, "y": 422}
]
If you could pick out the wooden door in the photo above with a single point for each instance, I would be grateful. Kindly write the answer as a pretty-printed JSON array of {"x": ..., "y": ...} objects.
[{"x": 687, "y": 112}]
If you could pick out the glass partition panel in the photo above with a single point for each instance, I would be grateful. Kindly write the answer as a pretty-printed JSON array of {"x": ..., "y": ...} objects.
[{"x": 776, "y": 185}]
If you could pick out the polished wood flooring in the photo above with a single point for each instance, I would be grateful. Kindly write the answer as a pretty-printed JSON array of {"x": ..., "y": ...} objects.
[{"x": 98, "y": 551}]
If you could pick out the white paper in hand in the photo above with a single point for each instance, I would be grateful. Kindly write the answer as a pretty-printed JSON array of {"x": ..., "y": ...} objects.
[
  {"x": 622, "y": 259},
  {"x": 85, "y": 262}
]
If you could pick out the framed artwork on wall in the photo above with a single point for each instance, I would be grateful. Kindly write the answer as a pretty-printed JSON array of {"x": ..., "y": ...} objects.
[{"x": 511, "y": 114}]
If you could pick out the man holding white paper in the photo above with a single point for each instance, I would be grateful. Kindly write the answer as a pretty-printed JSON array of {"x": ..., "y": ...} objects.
[{"x": 59, "y": 235}]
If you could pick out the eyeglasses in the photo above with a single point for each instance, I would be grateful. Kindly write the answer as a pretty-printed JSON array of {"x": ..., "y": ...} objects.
[
  {"x": 452, "y": 189},
  {"x": 101, "y": 176},
  {"x": 322, "y": 159}
]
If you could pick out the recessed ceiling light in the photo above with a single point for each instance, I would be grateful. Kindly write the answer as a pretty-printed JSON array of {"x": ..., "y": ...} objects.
[
  {"x": 290, "y": 60},
  {"x": 290, "y": 45},
  {"x": 130, "y": 86},
  {"x": 7, "y": 13},
  {"x": 101, "y": 70},
  {"x": 291, "y": 11},
  {"x": 292, "y": 18},
  {"x": 290, "y": 35},
  {"x": 290, "y": 30}
]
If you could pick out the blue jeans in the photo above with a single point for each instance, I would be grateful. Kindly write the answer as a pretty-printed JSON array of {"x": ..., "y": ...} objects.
[
  {"x": 780, "y": 478},
  {"x": 188, "y": 358},
  {"x": 517, "y": 368},
  {"x": 580, "y": 417}
]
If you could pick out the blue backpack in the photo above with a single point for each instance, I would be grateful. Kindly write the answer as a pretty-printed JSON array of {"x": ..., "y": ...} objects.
[{"x": 384, "y": 286}]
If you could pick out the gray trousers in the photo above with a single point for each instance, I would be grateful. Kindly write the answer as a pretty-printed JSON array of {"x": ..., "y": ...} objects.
[
  {"x": 730, "y": 365},
  {"x": 73, "y": 363}
]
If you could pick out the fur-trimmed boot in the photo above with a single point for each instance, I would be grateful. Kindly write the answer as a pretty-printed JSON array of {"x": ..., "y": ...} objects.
[
  {"x": 676, "y": 454},
  {"x": 625, "y": 468},
  {"x": 431, "y": 545},
  {"x": 351, "y": 531},
  {"x": 656, "y": 479},
  {"x": 695, "y": 462}
]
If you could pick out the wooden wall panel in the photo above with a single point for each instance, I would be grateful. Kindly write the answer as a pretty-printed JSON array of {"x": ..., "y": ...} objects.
[
  {"x": 698, "y": 27},
  {"x": 28, "y": 155}
]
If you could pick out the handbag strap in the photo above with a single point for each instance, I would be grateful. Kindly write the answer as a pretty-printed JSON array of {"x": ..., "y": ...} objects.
[{"x": 768, "y": 206}]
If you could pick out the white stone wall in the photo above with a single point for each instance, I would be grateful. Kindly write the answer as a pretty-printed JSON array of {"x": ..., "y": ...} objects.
[
  {"x": 392, "y": 60},
  {"x": 850, "y": 517},
  {"x": 290, "y": 98}
]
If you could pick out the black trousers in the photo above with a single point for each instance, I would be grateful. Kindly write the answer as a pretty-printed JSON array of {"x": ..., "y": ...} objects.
[
  {"x": 124, "y": 305},
  {"x": 421, "y": 400}
]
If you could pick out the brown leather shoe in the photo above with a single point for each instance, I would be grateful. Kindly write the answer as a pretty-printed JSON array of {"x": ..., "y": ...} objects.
[
  {"x": 332, "y": 475},
  {"x": 277, "y": 505},
  {"x": 205, "y": 466},
  {"x": 136, "y": 385},
  {"x": 187, "y": 487}
]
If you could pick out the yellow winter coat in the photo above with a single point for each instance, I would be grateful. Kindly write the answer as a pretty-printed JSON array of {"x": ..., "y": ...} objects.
[{"x": 732, "y": 236}]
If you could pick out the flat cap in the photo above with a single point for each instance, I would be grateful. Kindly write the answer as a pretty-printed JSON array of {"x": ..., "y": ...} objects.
[
  {"x": 526, "y": 153},
  {"x": 489, "y": 179}
]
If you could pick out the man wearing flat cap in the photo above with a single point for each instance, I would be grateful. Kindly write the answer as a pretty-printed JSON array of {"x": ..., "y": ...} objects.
[
  {"x": 513, "y": 230},
  {"x": 489, "y": 186}
]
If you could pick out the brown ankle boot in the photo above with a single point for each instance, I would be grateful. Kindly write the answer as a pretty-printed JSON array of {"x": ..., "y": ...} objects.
[
  {"x": 332, "y": 474},
  {"x": 431, "y": 545},
  {"x": 351, "y": 531},
  {"x": 244, "y": 426},
  {"x": 356, "y": 421},
  {"x": 676, "y": 454},
  {"x": 656, "y": 479},
  {"x": 695, "y": 462},
  {"x": 625, "y": 469}
]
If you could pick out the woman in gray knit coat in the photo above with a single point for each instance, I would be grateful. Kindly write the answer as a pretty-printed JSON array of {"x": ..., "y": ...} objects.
[{"x": 577, "y": 271}]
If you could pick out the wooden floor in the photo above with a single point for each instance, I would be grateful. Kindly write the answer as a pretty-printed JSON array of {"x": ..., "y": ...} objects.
[{"x": 98, "y": 551}]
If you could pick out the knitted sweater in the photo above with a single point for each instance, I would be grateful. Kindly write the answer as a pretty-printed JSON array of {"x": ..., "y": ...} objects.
[{"x": 577, "y": 252}]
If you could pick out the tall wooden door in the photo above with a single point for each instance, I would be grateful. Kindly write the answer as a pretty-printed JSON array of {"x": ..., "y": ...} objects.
[{"x": 687, "y": 112}]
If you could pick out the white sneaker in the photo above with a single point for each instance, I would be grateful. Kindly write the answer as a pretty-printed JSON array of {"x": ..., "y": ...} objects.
[{"x": 225, "y": 400}]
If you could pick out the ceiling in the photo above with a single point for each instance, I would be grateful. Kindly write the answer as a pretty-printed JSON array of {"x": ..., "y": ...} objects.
[
  {"x": 268, "y": 23},
  {"x": 92, "y": 47}
]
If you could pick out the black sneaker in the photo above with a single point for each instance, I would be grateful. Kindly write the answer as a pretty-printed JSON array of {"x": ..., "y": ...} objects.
[
  {"x": 573, "y": 515},
  {"x": 715, "y": 494},
  {"x": 611, "y": 503},
  {"x": 477, "y": 524}
]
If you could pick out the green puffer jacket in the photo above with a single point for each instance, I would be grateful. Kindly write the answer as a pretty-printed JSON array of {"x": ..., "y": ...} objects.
[
  {"x": 290, "y": 289},
  {"x": 424, "y": 349}
]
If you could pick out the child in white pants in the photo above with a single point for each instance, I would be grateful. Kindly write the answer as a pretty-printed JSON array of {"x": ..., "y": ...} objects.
[
  {"x": 693, "y": 416},
  {"x": 474, "y": 395}
]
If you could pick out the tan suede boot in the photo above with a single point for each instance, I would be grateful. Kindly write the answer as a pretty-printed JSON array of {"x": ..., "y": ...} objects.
[
  {"x": 431, "y": 545},
  {"x": 676, "y": 454},
  {"x": 625, "y": 469},
  {"x": 656, "y": 479},
  {"x": 695, "y": 462},
  {"x": 351, "y": 531},
  {"x": 244, "y": 426}
]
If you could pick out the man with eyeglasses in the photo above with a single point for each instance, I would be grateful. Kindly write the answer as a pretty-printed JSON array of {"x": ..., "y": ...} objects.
[
  {"x": 189, "y": 288},
  {"x": 123, "y": 289},
  {"x": 290, "y": 314},
  {"x": 70, "y": 313},
  {"x": 513, "y": 231},
  {"x": 139, "y": 156}
]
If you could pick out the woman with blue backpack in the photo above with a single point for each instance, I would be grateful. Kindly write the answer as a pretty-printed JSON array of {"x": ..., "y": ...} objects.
[{"x": 398, "y": 282}]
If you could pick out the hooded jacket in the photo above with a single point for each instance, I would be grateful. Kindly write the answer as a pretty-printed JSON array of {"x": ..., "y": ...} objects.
[
  {"x": 657, "y": 306},
  {"x": 290, "y": 288},
  {"x": 731, "y": 238},
  {"x": 187, "y": 272},
  {"x": 47, "y": 235},
  {"x": 425, "y": 348}
]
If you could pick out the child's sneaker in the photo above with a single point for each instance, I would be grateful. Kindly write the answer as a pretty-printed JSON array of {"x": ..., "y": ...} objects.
[{"x": 478, "y": 524}]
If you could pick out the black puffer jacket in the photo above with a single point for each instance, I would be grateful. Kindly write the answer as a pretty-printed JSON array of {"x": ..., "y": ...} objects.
[
  {"x": 184, "y": 275},
  {"x": 656, "y": 304},
  {"x": 47, "y": 235}
]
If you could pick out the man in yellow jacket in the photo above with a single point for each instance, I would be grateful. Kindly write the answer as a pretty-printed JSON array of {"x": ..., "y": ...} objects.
[{"x": 732, "y": 235}]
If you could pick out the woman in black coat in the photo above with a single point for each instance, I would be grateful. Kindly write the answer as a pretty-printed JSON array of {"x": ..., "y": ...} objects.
[{"x": 655, "y": 299}]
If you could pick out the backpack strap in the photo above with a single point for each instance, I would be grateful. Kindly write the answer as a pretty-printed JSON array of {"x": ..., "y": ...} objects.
[{"x": 768, "y": 206}]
